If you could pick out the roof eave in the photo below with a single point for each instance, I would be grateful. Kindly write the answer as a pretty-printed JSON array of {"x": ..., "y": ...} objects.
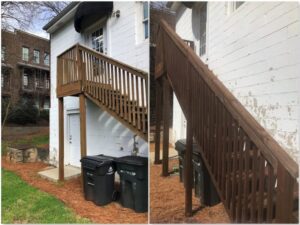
[{"x": 61, "y": 18}]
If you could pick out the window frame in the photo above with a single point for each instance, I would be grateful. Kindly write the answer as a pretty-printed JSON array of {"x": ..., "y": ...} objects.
[
  {"x": 24, "y": 54},
  {"x": 27, "y": 83},
  {"x": 36, "y": 57},
  {"x": 48, "y": 60},
  {"x": 145, "y": 21},
  {"x": 96, "y": 39},
  {"x": 3, "y": 52}
]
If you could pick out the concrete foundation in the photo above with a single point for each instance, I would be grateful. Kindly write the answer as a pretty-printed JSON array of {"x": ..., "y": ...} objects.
[{"x": 52, "y": 174}]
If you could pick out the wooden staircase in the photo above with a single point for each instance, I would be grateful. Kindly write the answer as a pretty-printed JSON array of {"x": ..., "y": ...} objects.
[
  {"x": 117, "y": 88},
  {"x": 254, "y": 177}
]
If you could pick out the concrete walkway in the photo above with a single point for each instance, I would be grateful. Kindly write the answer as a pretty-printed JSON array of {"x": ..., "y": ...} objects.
[{"x": 52, "y": 174}]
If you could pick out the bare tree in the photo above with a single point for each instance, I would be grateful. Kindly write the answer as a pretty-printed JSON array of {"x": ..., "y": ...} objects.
[{"x": 21, "y": 15}]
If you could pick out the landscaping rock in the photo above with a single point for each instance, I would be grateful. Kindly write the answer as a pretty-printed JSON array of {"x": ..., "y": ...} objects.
[
  {"x": 14, "y": 155},
  {"x": 28, "y": 154}
]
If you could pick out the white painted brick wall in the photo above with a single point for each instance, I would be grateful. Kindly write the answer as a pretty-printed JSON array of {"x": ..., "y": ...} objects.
[
  {"x": 122, "y": 45},
  {"x": 255, "y": 52}
]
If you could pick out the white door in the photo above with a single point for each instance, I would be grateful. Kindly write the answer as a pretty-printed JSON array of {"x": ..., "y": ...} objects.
[{"x": 74, "y": 139}]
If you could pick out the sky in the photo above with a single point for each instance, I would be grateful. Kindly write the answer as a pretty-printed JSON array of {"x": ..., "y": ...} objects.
[
  {"x": 37, "y": 22},
  {"x": 37, "y": 28}
]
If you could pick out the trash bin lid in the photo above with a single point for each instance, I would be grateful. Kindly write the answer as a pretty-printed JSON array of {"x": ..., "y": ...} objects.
[
  {"x": 133, "y": 160},
  {"x": 98, "y": 160},
  {"x": 180, "y": 146}
]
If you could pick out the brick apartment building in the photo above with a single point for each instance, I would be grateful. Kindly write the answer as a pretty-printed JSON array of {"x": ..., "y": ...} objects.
[{"x": 25, "y": 60}]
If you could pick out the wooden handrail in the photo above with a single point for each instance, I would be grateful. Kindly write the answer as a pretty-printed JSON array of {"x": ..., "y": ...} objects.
[
  {"x": 251, "y": 171},
  {"x": 272, "y": 150}
]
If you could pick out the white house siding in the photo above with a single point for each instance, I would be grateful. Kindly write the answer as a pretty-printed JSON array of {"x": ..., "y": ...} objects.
[
  {"x": 126, "y": 36},
  {"x": 105, "y": 135},
  {"x": 255, "y": 52}
]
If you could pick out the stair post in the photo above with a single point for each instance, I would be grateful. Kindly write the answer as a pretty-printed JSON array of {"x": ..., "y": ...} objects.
[
  {"x": 82, "y": 129},
  {"x": 188, "y": 169},
  {"x": 166, "y": 124},
  {"x": 158, "y": 109},
  {"x": 61, "y": 175}
]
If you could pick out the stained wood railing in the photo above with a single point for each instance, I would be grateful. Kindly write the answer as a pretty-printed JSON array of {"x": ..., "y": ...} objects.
[
  {"x": 120, "y": 89},
  {"x": 255, "y": 178}
]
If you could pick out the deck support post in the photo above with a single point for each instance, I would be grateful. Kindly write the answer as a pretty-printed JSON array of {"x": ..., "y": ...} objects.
[
  {"x": 158, "y": 109},
  {"x": 188, "y": 169},
  {"x": 61, "y": 175},
  {"x": 166, "y": 124},
  {"x": 82, "y": 125},
  {"x": 82, "y": 109}
]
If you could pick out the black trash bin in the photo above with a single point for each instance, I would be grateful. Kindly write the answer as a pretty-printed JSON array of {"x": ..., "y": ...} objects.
[
  {"x": 204, "y": 187},
  {"x": 180, "y": 147},
  {"x": 133, "y": 171},
  {"x": 98, "y": 178}
]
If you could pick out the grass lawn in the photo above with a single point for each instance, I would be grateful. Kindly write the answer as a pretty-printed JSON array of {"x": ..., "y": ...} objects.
[{"x": 22, "y": 203}]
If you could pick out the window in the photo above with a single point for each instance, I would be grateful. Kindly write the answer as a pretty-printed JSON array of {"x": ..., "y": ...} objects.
[
  {"x": 25, "y": 80},
  {"x": 36, "y": 56},
  {"x": 232, "y": 6},
  {"x": 97, "y": 40},
  {"x": 47, "y": 84},
  {"x": 146, "y": 19},
  {"x": 25, "y": 54},
  {"x": 203, "y": 18},
  {"x": 3, "y": 49},
  {"x": 46, "y": 58}
]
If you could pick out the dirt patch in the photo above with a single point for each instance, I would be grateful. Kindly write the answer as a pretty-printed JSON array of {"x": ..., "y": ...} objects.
[
  {"x": 71, "y": 193},
  {"x": 167, "y": 201}
]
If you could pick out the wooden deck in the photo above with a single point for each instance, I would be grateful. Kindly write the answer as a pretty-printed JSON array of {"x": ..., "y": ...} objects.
[{"x": 117, "y": 88}]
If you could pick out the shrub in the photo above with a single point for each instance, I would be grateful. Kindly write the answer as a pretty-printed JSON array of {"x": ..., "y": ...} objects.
[
  {"x": 24, "y": 112},
  {"x": 44, "y": 115}
]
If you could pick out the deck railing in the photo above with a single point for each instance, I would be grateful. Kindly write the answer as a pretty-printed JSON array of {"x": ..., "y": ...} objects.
[
  {"x": 255, "y": 178},
  {"x": 118, "y": 87}
]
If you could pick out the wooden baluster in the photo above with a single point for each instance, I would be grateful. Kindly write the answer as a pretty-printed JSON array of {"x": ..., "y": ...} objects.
[
  {"x": 261, "y": 182},
  {"x": 270, "y": 193},
  {"x": 240, "y": 180},
  {"x": 133, "y": 101},
  {"x": 113, "y": 87},
  {"x": 125, "y": 94},
  {"x": 110, "y": 84},
  {"x": 143, "y": 107},
  {"x": 228, "y": 160},
  {"x": 284, "y": 195},
  {"x": 138, "y": 103},
  {"x": 129, "y": 98},
  {"x": 117, "y": 90},
  {"x": 234, "y": 159},
  {"x": 254, "y": 186},
  {"x": 107, "y": 83},
  {"x": 121, "y": 92},
  {"x": 245, "y": 209}
]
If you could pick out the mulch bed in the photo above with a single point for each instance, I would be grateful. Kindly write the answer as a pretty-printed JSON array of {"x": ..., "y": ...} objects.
[
  {"x": 71, "y": 193},
  {"x": 167, "y": 201}
]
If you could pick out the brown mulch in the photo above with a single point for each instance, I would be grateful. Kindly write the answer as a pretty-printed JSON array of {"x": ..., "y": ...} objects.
[
  {"x": 70, "y": 192},
  {"x": 167, "y": 200}
]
